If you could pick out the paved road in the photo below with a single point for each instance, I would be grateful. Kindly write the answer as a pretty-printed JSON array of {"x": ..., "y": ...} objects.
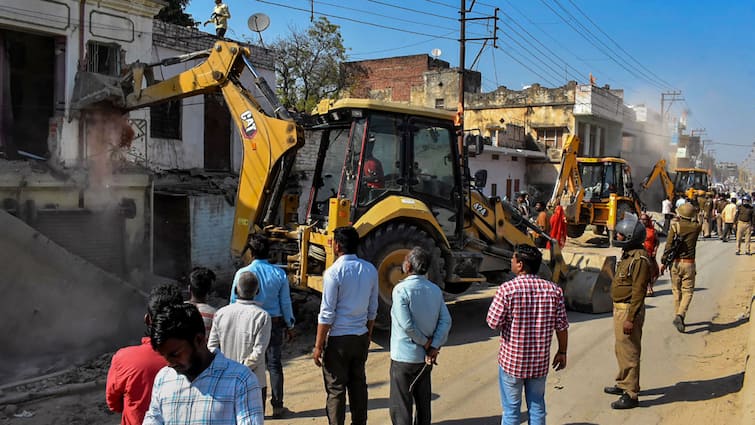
[{"x": 465, "y": 382}]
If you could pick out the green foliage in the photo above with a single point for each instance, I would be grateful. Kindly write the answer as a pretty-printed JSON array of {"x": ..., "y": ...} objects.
[
  {"x": 308, "y": 65},
  {"x": 174, "y": 13}
]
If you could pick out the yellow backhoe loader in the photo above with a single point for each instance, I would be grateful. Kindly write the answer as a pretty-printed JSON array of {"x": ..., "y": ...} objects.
[
  {"x": 396, "y": 173},
  {"x": 691, "y": 183},
  {"x": 596, "y": 191}
]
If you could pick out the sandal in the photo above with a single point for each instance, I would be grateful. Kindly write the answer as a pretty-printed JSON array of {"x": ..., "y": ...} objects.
[{"x": 650, "y": 292}]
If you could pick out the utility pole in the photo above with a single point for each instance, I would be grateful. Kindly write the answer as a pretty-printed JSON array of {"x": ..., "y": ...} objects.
[
  {"x": 460, "y": 110},
  {"x": 463, "y": 53},
  {"x": 672, "y": 97}
]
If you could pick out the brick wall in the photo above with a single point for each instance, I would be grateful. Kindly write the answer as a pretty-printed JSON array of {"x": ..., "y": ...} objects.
[
  {"x": 211, "y": 219},
  {"x": 392, "y": 79},
  {"x": 184, "y": 39}
]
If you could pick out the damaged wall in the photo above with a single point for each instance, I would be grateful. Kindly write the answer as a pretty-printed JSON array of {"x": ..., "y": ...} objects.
[
  {"x": 29, "y": 191},
  {"x": 59, "y": 310},
  {"x": 211, "y": 219}
]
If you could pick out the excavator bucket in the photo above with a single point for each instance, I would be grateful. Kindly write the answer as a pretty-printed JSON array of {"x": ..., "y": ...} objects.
[
  {"x": 96, "y": 91},
  {"x": 587, "y": 284}
]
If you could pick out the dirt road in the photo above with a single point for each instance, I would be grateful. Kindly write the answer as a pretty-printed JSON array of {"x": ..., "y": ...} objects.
[{"x": 686, "y": 378}]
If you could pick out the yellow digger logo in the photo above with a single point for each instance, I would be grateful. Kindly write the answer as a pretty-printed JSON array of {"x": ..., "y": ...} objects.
[{"x": 250, "y": 127}]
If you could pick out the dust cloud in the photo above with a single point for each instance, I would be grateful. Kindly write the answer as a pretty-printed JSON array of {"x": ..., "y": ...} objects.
[{"x": 107, "y": 132}]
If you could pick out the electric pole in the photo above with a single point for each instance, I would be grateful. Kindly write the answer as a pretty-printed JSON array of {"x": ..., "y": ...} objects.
[{"x": 672, "y": 97}]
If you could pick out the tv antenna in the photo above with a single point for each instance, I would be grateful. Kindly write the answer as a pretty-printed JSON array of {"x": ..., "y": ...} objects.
[{"x": 258, "y": 23}]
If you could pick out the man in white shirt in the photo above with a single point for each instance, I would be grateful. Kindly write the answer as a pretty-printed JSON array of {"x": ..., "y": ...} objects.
[
  {"x": 242, "y": 330},
  {"x": 667, "y": 214}
]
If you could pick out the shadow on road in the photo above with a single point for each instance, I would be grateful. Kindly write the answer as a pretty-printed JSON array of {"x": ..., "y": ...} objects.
[
  {"x": 469, "y": 324},
  {"x": 708, "y": 326},
  {"x": 488, "y": 420},
  {"x": 694, "y": 390}
]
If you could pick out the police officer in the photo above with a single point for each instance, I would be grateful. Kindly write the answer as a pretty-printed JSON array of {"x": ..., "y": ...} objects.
[
  {"x": 628, "y": 292},
  {"x": 745, "y": 219},
  {"x": 683, "y": 268}
]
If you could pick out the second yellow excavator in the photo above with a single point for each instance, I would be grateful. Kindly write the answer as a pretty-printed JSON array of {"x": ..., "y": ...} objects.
[{"x": 691, "y": 183}]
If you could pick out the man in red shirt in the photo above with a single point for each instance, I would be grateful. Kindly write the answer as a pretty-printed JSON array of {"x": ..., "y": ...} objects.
[
  {"x": 133, "y": 369},
  {"x": 526, "y": 310}
]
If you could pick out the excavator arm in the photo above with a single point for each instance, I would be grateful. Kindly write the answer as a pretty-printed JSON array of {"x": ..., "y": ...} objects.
[
  {"x": 270, "y": 141},
  {"x": 568, "y": 191},
  {"x": 659, "y": 170}
]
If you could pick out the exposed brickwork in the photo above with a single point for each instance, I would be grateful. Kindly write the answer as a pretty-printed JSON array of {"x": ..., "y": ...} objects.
[
  {"x": 184, "y": 39},
  {"x": 392, "y": 79}
]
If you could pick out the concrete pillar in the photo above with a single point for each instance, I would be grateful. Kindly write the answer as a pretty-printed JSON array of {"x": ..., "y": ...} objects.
[{"x": 586, "y": 141}]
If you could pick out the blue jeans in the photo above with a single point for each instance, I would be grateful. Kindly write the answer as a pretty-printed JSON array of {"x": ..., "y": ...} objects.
[
  {"x": 274, "y": 365},
  {"x": 511, "y": 398}
]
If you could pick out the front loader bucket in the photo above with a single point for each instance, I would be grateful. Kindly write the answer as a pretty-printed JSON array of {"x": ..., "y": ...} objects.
[
  {"x": 587, "y": 286},
  {"x": 95, "y": 91}
]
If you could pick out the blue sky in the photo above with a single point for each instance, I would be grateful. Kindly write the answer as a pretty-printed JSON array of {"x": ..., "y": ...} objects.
[{"x": 704, "y": 48}]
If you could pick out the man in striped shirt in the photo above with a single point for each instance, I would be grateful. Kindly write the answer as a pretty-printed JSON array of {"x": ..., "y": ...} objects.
[
  {"x": 199, "y": 387},
  {"x": 526, "y": 310}
]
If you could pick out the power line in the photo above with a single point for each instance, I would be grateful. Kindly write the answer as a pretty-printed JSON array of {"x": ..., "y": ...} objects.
[
  {"x": 527, "y": 67},
  {"x": 619, "y": 46},
  {"x": 358, "y": 21},
  {"x": 582, "y": 34}
]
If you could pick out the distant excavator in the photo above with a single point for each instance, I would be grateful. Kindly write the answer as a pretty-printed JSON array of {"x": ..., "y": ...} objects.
[{"x": 691, "y": 183}]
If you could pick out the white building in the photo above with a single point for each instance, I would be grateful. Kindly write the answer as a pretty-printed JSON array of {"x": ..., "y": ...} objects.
[{"x": 69, "y": 181}]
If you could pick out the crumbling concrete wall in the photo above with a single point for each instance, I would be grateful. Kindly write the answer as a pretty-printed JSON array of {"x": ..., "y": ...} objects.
[{"x": 58, "y": 309}]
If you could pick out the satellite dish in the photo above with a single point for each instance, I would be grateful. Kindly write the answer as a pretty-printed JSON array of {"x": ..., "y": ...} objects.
[
  {"x": 258, "y": 22},
  {"x": 435, "y": 53}
]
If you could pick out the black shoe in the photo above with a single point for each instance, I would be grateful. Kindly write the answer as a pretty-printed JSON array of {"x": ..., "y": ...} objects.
[
  {"x": 613, "y": 390},
  {"x": 280, "y": 412},
  {"x": 625, "y": 402},
  {"x": 679, "y": 323}
]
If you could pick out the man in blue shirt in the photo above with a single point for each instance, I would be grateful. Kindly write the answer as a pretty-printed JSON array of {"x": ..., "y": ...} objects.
[
  {"x": 275, "y": 298},
  {"x": 347, "y": 315},
  {"x": 420, "y": 323}
]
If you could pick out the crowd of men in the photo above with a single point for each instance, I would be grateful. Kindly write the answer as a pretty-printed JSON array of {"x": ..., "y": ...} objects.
[{"x": 202, "y": 365}]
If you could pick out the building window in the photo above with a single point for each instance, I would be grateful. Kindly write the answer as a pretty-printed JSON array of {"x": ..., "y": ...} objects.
[
  {"x": 104, "y": 58},
  {"x": 514, "y": 158},
  {"x": 552, "y": 137},
  {"x": 440, "y": 104},
  {"x": 165, "y": 120},
  {"x": 493, "y": 189},
  {"x": 494, "y": 157}
]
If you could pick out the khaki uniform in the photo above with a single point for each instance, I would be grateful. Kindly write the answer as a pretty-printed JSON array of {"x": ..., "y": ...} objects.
[
  {"x": 683, "y": 269},
  {"x": 745, "y": 220},
  {"x": 707, "y": 212},
  {"x": 628, "y": 292}
]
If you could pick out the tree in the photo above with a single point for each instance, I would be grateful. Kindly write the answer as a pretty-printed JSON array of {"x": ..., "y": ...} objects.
[
  {"x": 309, "y": 65},
  {"x": 174, "y": 13}
]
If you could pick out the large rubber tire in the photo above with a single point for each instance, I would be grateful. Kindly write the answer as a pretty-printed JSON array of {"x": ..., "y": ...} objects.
[
  {"x": 386, "y": 248},
  {"x": 575, "y": 230}
]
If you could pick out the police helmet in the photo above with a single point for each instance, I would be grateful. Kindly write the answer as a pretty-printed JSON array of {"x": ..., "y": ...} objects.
[
  {"x": 633, "y": 231},
  {"x": 686, "y": 211}
]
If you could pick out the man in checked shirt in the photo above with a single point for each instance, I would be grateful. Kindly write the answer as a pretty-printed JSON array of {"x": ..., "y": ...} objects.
[{"x": 526, "y": 310}]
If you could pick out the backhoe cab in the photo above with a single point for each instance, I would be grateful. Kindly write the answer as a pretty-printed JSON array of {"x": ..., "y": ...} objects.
[{"x": 596, "y": 191}]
